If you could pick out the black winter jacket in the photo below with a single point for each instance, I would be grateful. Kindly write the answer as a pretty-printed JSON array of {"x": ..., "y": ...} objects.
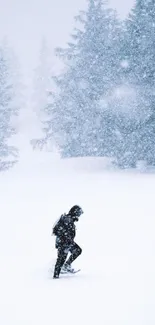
[{"x": 65, "y": 231}]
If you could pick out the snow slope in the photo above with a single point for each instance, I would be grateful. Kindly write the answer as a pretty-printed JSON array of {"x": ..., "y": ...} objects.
[{"x": 117, "y": 283}]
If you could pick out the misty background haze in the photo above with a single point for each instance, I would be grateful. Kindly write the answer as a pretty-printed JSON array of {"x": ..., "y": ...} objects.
[{"x": 25, "y": 23}]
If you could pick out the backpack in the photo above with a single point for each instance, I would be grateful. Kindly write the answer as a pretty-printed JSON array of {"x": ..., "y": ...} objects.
[{"x": 58, "y": 226}]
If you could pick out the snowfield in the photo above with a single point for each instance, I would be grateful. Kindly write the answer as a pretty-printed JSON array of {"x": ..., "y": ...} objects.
[{"x": 116, "y": 285}]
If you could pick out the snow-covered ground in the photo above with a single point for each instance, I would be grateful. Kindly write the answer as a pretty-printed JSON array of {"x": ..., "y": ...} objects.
[{"x": 116, "y": 285}]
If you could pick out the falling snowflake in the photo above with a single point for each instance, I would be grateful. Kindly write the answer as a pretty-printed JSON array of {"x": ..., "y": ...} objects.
[{"x": 124, "y": 64}]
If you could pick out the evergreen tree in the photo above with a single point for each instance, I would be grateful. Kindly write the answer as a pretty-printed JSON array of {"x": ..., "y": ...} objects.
[
  {"x": 138, "y": 51},
  {"x": 141, "y": 36},
  {"x": 8, "y": 111},
  {"x": 90, "y": 68}
]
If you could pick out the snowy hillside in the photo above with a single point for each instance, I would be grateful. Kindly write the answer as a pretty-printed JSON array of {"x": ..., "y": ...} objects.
[{"x": 116, "y": 285}]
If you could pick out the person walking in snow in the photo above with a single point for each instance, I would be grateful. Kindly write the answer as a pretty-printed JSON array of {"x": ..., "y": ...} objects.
[{"x": 65, "y": 232}]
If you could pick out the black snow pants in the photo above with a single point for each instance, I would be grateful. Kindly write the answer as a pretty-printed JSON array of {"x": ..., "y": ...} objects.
[{"x": 63, "y": 251}]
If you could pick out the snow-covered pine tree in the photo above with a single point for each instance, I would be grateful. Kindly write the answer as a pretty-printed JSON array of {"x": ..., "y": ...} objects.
[
  {"x": 8, "y": 111},
  {"x": 90, "y": 60},
  {"x": 138, "y": 134},
  {"x": 140, "y": 36}
]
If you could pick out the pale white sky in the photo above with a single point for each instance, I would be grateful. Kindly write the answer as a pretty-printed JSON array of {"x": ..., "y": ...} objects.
[{"x": 25, "y": 22}]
